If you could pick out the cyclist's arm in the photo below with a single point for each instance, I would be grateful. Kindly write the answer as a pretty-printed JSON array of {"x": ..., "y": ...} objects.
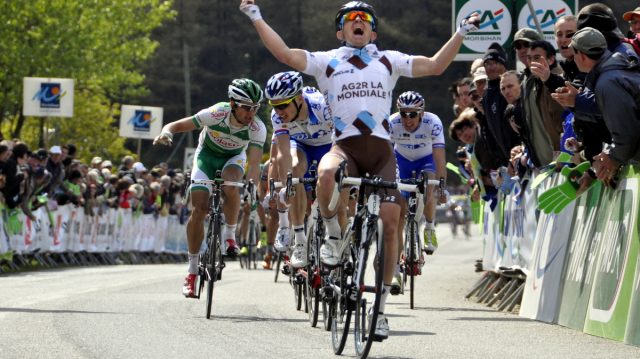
[
  {"x": 441, "y": 165},
  {"x": 295, "y": 58},
  {"x": 428, "y": 66},
  {"x": 283, "y": 158},
  {"x": 182, "y": 125},
  {"x": 254, "y": 156}
]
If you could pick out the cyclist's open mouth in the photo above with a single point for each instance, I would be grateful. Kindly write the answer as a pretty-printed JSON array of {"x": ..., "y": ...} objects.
[{"x": 358, "y": 31}]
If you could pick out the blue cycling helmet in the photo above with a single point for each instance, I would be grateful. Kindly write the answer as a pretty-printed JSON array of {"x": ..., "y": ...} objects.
[
  {"x": 410, "y": 99},
  {"x": 356, "y": 6},
  {"x": 283, "y": 85}
]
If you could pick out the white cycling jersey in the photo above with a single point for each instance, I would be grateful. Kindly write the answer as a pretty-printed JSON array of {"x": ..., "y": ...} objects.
[
  {"x": 221, "y": 137},
  {"x": 316, "y": 130},
  {"x": 419, "y": 143},
  {"x": 358, "y": 85}
]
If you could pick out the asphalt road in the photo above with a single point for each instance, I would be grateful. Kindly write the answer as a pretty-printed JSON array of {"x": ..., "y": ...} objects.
[{"x": 138, "y": 312}]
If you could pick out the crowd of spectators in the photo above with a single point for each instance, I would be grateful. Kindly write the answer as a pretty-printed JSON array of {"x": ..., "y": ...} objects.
[
  {"x": 54, "y": 177},
  {"x": 583, "y": 99}
]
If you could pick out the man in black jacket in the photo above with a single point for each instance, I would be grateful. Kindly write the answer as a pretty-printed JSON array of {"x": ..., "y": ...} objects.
[
  {"x": 616, "y": 84},
  {"x": 494, "y": 104}
]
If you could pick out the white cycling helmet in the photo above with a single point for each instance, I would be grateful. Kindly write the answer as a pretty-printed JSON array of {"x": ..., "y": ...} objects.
[
  {"x": 283, "y": 85},
  {"x": 410, "y": 99}
]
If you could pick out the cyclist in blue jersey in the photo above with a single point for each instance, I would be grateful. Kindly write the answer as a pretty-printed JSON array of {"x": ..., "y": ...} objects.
[
  {"x": 303, "y": 128},
  {"x": 357, "y": 80},
  {"x": 418, "y": 140}
]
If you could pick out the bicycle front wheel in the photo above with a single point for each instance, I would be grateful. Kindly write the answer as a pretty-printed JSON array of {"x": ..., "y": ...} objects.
[
  {"x": 340, "y": 310},
  {"x": 214, "y": 257},
  {"x": 365, "y": 322},
  {"x": 412, "y": 262},
  {"x": 312, "y": 278}
]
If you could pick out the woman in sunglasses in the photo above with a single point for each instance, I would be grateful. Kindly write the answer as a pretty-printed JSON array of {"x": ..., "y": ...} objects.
[
  {"x": 303, "y": 130},
  {"x": 418, "y": 143},
  {"x": 231, "y": 134},
  {"x": 357, "y": 80}
]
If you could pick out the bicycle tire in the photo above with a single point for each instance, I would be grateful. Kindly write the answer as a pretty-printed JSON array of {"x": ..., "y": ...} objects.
[
  {"x": 364, "y": 328},
  {"x": 213, "y": 254},
  {"x": 340, "y": 312},
  {"x": 278, "y": 262},
  {"x": 298, "y": 294},
  {"x": 414, "y": 262},
  {"x": 312, "y": 294}
]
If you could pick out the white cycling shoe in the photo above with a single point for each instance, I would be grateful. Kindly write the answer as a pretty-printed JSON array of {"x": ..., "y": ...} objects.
[
  {"x": 283, "y": 238},
  {"x": 299, "y": 255}
]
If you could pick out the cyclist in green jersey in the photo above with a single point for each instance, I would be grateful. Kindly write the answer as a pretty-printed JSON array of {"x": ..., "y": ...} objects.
[{"x": 231, "y": 134}]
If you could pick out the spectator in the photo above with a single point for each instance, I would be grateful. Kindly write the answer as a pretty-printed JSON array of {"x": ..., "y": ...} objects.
[
  {"x": 462, "y": 88},
  {"x": 544, "y": 116},
  {"x": 633, "y": 18},
  {"x": 55, "y": 167},
  {"x": 126, "y": 167},
  {"x": 14, "y": 175},
  {"x": 35, "y": 185},
  {"x": 96, "y": 162},
  {"x": 521, "y": 41},
  {"x": 480, "y": 80},
  {"x": 495, "y": 60},
  {"x": 614, "y": 80}
]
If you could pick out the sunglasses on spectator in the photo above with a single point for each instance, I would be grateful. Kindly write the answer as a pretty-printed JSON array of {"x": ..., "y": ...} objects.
[
  {"x": 282, "y": 105},
  {"x": 352, "y": 15},
  {"x": 521, "y": 44},
  {"x": 413, "y": 114},
  {"x": 247, "y": 107}
]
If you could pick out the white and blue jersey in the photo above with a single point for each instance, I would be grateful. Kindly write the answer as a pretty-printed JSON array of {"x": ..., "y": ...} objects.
[
  {"x": 313, "y": 135},
  {"x": 313, "y": 131},
  {"x": 414, "y": 150}
]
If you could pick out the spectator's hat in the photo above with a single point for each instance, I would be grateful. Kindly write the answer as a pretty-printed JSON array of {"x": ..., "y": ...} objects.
[
  {"x": 139, "y": 167},
  {"x": 473, "y": 88},
  {"x": 96, "y": 160},
  {"x": 496, "y": 53},
  {"x": 106, "y": 164},
  {"x": 106, "y": 173},
  {"x": 589, "y": 41},
  {"x": 479, "y": 75},
  {"x": 55, "y": 150},
  {"x": 41, "y": 154},
  {"x": 526, "y": 34},
  {"x": 627, "y": 16}
]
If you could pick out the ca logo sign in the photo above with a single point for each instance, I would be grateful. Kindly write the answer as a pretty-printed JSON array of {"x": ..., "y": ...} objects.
[{"x": 495, "y": 24}]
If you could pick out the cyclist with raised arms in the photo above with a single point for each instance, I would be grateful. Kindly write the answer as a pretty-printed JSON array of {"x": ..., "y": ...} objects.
[
  {"x": 231, "y": 134},
  {"x": 357, "y": 79},
  {"x": 418, "y": 140},
  {"x": 303, "y": 129}
]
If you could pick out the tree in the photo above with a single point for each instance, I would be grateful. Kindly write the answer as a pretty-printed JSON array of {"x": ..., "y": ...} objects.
[{"x": 100, "y": 44}]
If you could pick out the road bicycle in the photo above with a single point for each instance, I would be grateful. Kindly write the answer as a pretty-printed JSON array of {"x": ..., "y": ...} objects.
[
  {"x": 315, "y": 234},
  {"x": 349, "y": 295},
  {"x": 411, "y": 260},
  {"x": 211, "y": 261}
]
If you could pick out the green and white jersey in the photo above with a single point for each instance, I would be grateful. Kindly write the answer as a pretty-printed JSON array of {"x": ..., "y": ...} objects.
[{"x": 220, "y": 137}]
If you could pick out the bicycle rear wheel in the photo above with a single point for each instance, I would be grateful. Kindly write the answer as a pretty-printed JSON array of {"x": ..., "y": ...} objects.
[
  {"x": 365, "y": 325},
  {"x": 214, "y": 257}
]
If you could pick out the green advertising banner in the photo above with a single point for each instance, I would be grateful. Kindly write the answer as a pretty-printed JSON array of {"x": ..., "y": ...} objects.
[
  {"x": 500, "y": 19},
  {"x": 632, "y": 335},
  {"x": 578, "y": 273},
  {"x": 615, "y": 267}
]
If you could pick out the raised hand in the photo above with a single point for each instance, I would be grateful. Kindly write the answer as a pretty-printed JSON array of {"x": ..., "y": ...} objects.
[
  {"x": 249, "y": 8},
  {"x": 469, "y": 24}
]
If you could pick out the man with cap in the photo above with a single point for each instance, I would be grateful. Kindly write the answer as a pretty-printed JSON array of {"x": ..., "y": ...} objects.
[
  {"x": 494, "y": 104},
  {"x": 479, "y": 81},
  {"x": 521, "y": 41},
  {"x": 56, "y": 168},
  {"x": 614, "y": 80},
  {"x": 633, "y": 18}
]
